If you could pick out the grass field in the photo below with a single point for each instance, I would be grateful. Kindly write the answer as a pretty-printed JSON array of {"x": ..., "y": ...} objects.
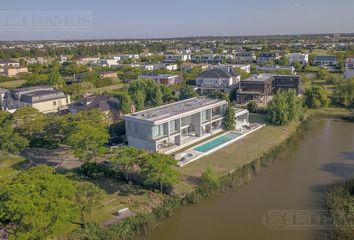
[
  {"x": 119, "y": 195},
  {"x": 12, "y": 84},
  {"x": 10, "y": 164},
  {"x": 237, "y": 154},
  {"x": 108, "y": 89}
]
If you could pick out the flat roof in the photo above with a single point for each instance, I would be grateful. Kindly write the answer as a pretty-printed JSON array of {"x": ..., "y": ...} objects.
[
  {"x": 259, "y": 78},
  {"x": 175, "y": 109}
]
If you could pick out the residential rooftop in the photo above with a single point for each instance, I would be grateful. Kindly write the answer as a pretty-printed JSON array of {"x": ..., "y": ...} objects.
[
  {"x": 217, "y": 73},
  {"x": 259, "y": 78},
  {"x": 175, "y": 109}
]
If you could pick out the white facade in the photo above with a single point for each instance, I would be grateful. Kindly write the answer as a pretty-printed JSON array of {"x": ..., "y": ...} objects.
[
  {"x": 349, "y": 68},
  {"x": 302, "y": 58},
  {"x": 172, "y": 58},
  {"x": 174, "y": 126},
  {"x": 108, "y": 62}
]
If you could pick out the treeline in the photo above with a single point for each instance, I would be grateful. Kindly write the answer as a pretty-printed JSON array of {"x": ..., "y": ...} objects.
[{"x": 82, "y": 50}]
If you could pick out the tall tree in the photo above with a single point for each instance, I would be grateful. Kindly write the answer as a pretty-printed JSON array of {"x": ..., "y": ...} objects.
[
  {"x": 88, "y": 141},
  {"x": 161, "y": 169},
  {"x": 316, "y": 97},
  {"x": 187, "y": 92},
  {"x": 127, "y": 157},
  {"x": 87, "y": 198},
  {"x": 229, "y": 118},
  {"x": 139, "y": 100},
  {"x": 37, "y": 203}
]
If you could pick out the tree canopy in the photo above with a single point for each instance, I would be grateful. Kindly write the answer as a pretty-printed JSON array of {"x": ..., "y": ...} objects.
[
  {"x": 285, "y": 107},
  {"x": 37, "y": 203}
]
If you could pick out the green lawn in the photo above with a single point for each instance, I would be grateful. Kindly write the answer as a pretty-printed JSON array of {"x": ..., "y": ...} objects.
[
  {"x": 237, "y": 154},
  {"x": 10, "y": 164},
  {"x": 108, "y": 89},
  {"x": 12, "y": 84},
  {"x": 119, "y": 195}
]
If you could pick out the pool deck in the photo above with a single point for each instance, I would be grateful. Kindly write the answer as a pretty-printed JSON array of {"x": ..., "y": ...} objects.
[{"x": 184, "y": 160}]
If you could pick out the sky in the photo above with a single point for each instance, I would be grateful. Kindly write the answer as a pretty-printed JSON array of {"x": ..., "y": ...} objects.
[{"x": 116, "y": 19}]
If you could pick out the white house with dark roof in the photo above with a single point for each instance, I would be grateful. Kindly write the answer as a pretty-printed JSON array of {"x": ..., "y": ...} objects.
[
  {"x": 325, "y": 60},
  {"x": 217, "y": 79},
  {"x": 44, "y": 98},
  {"x": 9, "y": 63}
]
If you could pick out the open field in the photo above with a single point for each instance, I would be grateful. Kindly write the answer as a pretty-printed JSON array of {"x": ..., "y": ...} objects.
[
  {"x": 12, "y": 84},
  {"x": 119, "y": 195},
  {"x": 10, "y": 164},
  {"x": 108, "y": 89}
]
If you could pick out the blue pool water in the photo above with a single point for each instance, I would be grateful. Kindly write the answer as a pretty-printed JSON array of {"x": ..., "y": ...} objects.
[{"x": 217, "y": 142}]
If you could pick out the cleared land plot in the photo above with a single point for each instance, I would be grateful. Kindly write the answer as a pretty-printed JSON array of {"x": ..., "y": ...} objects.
[{"x": 12, "y": 84}]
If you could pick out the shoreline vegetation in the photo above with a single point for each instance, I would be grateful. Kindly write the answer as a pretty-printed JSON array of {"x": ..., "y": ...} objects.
[
  {"x": 210, "y": 182},
  {"x": 340, "y": 206}
]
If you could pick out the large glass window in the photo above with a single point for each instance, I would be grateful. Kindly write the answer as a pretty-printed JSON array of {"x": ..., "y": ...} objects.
[
  {"x": 174, "y": 126},
  {"x": 186, "y": 121},
  {"x": 205, "y": 116},
  {"x": 159, "y": 131}
]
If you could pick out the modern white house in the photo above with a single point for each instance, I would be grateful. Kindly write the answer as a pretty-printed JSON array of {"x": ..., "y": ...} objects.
[
  {"x": 349, "y": 68},
  {"x": 172, "y": 58},
  {"x": 173, "y": 126},
  {"x": 245, "y": 57},
  {"x": 108, "y": 62},
  {"x": 164, "y": 79},
  {"x": 244, "y": 67},
  {"x": 302, "y": 58}
]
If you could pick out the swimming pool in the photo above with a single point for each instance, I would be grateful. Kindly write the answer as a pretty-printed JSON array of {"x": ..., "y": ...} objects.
[{"x": 217, "y": 142}]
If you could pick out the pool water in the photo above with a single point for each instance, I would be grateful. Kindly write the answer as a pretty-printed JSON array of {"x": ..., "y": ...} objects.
[{"x": 217, "y": 142}]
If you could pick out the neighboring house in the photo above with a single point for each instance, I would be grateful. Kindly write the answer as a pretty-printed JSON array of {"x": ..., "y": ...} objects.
[
  {"x": 302, "y": 58},
  {"x": 244, "y": 67},
  {"x": 173, "y": 58},
  {"x": 87, "y": 60},
  {"x": 44, "y": 98},
  {"x": 245, "y": 57},
  {"x": 164, "y": 79},
  {"x": 36, "y": 60},
  {"x": 188, "y": 66},
  {"x": 14, "y": 71},
  {"x": 127, "y": 57},
  {"x": 325, "y": 60},
  {"x": 108, "y": 74},
  {"x": 62, "y": 59},
  {"x": 9, "y": 63},
  {"x": 257, "y": 87},
  {"x": 260, "y": 87},
  {"x": 174, "y": 126},
  {"x": 268, "y": 57},
  {"x": 349, "y": 68},
  {"x": 108, "y": 62},
  {"x": 208, "y": 58},
  {"x": 106, "y": 104},
  {"x": 290, "y": 69},
  {"x": 218, "y": 79}
]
